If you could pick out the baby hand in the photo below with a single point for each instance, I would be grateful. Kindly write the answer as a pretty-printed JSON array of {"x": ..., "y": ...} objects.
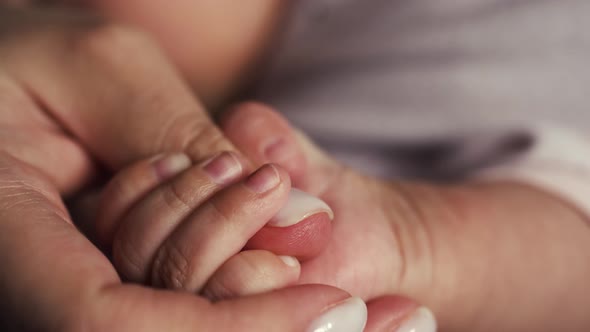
[{"x": 173, "y": 224}]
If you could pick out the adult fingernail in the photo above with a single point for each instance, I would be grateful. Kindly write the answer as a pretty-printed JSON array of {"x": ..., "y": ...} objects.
[
  {"x": 347, "y": 316},
  {"x": 223, "y": 168},
  {"x": 299, "y": 207},
  {"x": 170, "y": 165},
  {"x": 422, "y": 320},
  {"x": 289, "y": 261},
  {"x": 264, "y": 179}
]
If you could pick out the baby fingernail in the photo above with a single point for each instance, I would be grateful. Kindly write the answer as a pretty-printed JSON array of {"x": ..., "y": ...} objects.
[
  {"x": 290, "y": 261},
  {"x": 347, "y": 316},
  {"x": 264, "y": 179},
  {"x": 299, "y": 207},
  {"x": 422, "y": 320},
  {"x": 168, "y": 166},
  {"x": 223, "y": 168}
]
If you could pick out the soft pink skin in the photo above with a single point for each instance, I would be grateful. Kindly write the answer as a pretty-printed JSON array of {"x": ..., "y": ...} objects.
[
  {"x": 213, "y": 54},
  {"x": 303, "y": 240}
]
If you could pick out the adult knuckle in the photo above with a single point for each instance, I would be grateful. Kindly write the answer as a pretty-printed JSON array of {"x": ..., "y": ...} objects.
[
  {"x": 196, "y": 134},
  {"x": 223, "y": 218},
  {"x": 178, "y": 196},
  {"x": 209, "y": 139}
]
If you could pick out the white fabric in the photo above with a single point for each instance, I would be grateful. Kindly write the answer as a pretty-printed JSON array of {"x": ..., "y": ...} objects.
[
  {"x": 463, "y": 81},
  {"x": 558, "y": 163}
]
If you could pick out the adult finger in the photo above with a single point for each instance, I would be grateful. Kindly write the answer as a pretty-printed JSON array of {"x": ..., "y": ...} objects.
[
  {"x": 214, "y": 232},
  {"x": 111, "y": 87},
  {"x": 55, "y": 279},
  {"x": 141, "y": 231},
  {"x": 147, "y": 207},
  {"x": 129, "y": 186},
  {"x": 50, "y": 270},
  {"x": 301, "y": 308},
  {"x": 28, "y": 134}
]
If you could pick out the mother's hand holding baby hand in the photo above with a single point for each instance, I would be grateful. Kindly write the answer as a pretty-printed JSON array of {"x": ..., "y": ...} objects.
[
  {"x": 174, "y": 225},
  {"x": 78, "y": 94}
]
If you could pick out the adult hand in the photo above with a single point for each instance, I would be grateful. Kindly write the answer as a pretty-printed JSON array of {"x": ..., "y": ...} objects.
[
  {"x": 54, "y": 279},
  {"x": 76, "y": 95},
  {"x": 483, "y": 256},
  {"x": 80, "y": 93}
]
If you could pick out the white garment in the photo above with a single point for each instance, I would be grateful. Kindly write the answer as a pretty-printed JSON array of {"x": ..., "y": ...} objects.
[{"x": 443, "y": 89}]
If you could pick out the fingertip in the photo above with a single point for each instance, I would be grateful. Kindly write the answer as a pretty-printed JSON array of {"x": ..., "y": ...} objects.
[
  {"x": 296, "y": 308},
  {"x": 167, "y": 166},
  {"x": 421, "y": 320},
  {"x": 349, "y": 315}
]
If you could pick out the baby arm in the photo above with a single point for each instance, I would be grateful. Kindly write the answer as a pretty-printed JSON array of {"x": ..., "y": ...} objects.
[{"x": 486, "y": 256}]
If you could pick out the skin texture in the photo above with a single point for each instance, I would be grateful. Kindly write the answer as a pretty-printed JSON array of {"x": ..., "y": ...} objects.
[
  {"x": 56, "y": 280},
  {"x": 476, "y": 254},
  {"x": 472, "y": 252},
  {"x": 73, "y": 106}
]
